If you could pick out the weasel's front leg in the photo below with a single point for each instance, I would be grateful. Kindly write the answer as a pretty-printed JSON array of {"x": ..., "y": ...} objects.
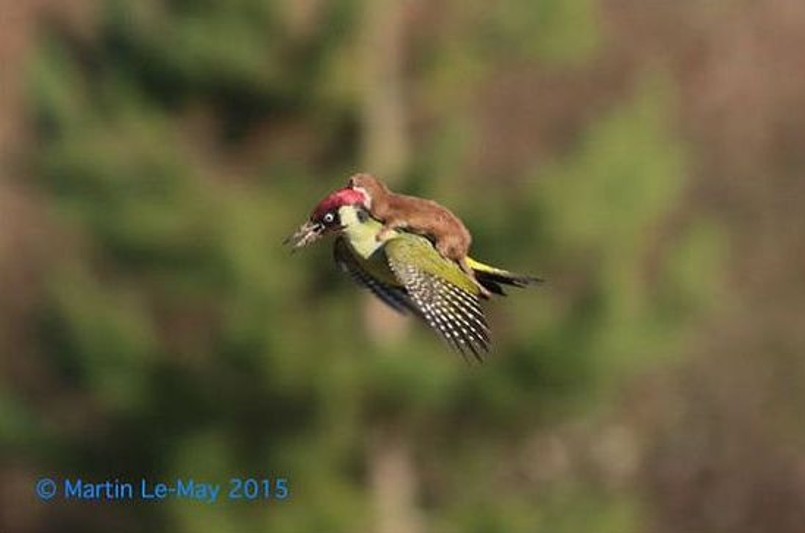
[{"x": 388, "y": 229}]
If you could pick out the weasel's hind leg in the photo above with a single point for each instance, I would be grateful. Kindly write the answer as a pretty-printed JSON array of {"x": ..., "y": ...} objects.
[
  {"x": 455, "y": 252},
  {"x": 471, "y": 273}
]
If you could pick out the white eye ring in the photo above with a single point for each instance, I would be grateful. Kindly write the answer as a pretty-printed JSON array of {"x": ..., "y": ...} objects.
[{"x": 328, "y": 218}]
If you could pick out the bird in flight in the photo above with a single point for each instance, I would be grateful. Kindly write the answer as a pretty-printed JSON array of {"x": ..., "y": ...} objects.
[{"x": 407, "y": 272}]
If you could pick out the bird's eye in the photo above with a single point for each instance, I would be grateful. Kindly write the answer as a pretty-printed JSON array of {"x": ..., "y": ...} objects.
[{"x": 328, "y": 218}]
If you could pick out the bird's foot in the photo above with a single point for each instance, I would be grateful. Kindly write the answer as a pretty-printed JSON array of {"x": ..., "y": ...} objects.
[{"x": 485, "y": 293}]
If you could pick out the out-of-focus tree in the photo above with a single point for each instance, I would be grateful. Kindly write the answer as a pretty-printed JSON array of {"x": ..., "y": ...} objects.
[{"x": 183, "y": 140}]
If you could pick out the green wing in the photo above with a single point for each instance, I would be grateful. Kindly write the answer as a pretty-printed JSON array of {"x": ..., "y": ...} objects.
[
  {"x": 447, "y": 300},
  {"x": 410, "y": 275},
  {"x": 394, "y": 296}
]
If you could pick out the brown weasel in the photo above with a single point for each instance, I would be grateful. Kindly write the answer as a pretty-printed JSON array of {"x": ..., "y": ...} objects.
[{"x": 398, "y": 211}]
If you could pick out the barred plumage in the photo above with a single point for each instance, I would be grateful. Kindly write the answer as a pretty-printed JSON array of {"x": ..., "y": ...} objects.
[{"x": 454, "y": 313}]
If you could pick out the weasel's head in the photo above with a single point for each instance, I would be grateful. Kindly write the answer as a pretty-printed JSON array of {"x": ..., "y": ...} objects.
[
  {"x": 369, "y": 186},
  {"x": 325, "y": 217}
]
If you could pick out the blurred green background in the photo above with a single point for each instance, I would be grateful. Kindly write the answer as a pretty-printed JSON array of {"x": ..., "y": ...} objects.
[{"x": 644, "y": 157}]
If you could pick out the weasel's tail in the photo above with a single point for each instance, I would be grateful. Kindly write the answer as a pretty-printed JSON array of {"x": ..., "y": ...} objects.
[{"x": 492, "y": 278}]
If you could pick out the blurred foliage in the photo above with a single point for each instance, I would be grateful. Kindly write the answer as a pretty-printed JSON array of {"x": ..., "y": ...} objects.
[{"x": 190, "y": 343}]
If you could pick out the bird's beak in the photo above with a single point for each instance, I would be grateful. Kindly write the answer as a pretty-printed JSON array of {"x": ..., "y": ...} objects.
[{"x": 308, "y": 233}]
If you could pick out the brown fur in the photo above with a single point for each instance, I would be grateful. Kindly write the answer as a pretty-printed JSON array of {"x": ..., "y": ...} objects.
[{"x": 398, "y": 211}]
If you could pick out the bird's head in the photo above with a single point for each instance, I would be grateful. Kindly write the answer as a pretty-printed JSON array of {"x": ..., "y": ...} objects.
[{"x": 325, "y": 217}]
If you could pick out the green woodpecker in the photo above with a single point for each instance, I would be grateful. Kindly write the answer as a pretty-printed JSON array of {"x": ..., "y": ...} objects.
[
  {"x": 407, "y": 272},
  {"x": 417, "y": 215}
]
